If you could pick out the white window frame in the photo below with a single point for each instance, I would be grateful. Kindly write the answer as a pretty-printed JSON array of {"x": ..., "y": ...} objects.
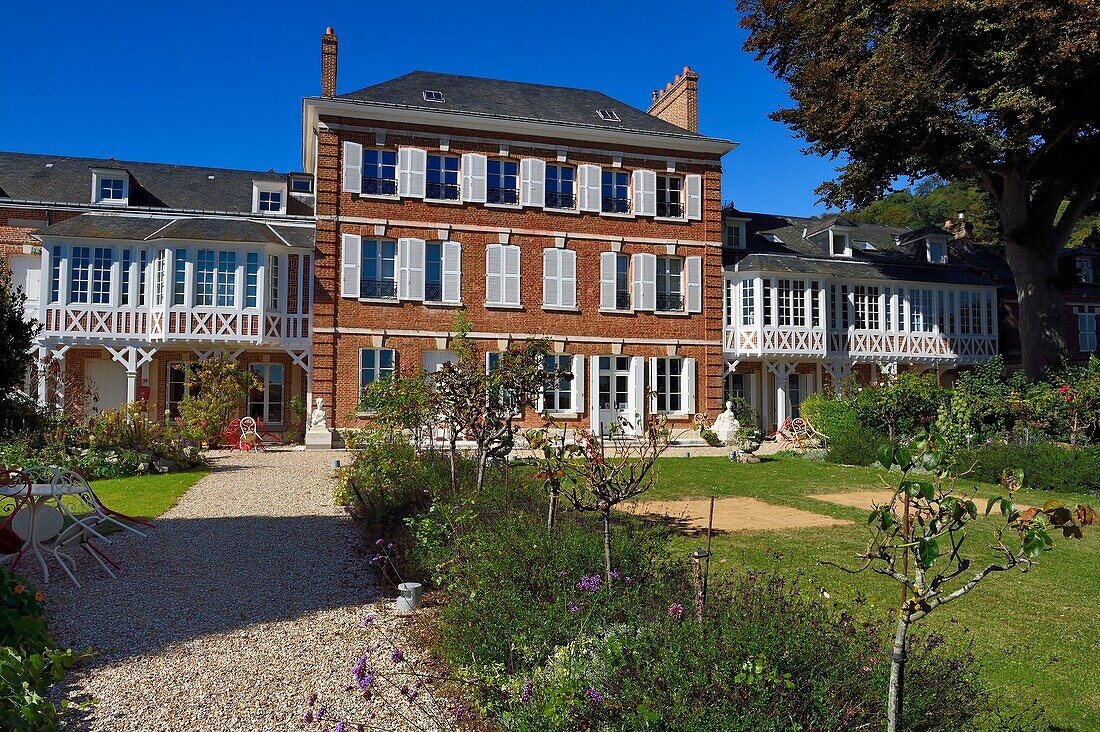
[
  {"x": 942, "y": 258},
  {"x": 112, "y": 175},
  {"x": 500, "y": 178},
  {"x": 1086, "y": 331},
  {"x": 666, "y": 386},
  {"x": 737, "y": 241},
  {"x": 460, "y": 173},
  {"x": 557, "y": 390},
  {"x": 499, "y": 258},
  {"x": 668, "y": 191},
  {"x": 667, "y": 279},
  {"x": 378, "y": 370},
  {"x": 268, "y": 188},
  {"x": 546, "y": 188}
]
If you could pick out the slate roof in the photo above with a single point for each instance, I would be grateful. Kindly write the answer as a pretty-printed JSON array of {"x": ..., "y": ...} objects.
[
  {"x": 888, "y": 260},
  {"x": 514, "y": 99},
  {"x": 60, "y": 179},
  {"x": 157, "y": 228}
]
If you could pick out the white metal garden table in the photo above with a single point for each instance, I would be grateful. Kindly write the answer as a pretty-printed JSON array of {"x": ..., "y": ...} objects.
[{"x": 39, "y": 521}]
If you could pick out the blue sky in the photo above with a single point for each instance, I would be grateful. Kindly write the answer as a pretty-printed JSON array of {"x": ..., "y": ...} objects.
[{"x": 205, "y": 83}]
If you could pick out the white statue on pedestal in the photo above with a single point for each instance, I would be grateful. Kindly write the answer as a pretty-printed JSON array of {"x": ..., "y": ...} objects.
[
  {"x": 318, "y": 419},
  {"x": 726, "y": 425},
  {"x": 318, "y": 435}
]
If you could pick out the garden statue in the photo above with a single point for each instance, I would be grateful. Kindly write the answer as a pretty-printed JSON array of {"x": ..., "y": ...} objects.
[
  {"x": 726, "y": 425},
  {"x": 318, "y": 436}
]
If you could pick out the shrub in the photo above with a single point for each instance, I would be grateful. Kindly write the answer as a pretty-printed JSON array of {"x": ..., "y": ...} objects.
[
  {"x": 898, "y": 405},
  {"x": 214, "y": 390},
  {"x": 29, "y": 660},
  {"x": 829, "y": 415},
  {"x": 1046, "y": 466},
  {"x": 854, "y": 446}
]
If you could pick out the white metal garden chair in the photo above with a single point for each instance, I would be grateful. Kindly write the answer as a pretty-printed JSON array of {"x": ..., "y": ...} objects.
[{"x": 85, "y": 519}]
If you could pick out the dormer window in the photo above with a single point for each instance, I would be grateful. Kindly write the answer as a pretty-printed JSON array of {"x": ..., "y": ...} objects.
[
  {"x": 937, "y": 252},
  {"x": 735, "y": 236},
  {"x": 268, "y": 198},
  {"x": 1084, "y": 270},
  {"x": 608, "y": 115},
  {"x": 301, "y": 184},
  {"x": 839, "y": 244},
  {"x": 110, "y": 186},
  {"x": 433, "y": 96}
]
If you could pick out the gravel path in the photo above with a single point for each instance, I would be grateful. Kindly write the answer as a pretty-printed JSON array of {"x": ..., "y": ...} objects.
[{"x": 248, "y": 596}]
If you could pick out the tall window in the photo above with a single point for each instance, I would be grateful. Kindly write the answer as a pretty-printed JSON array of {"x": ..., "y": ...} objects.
[
  {"x": 1086, "y": 332},
  {"x": 227, "y": 279},
  {"x": 374, "y": 364},
  {"x": 1084, "y": 269},
  {"x": 273, "y": 285},
  {"x": 126, "y": 265},
  {"x": 559, "y": 187},
  {"x": 738, "y": 386},
  {"x": 616, "y": 192},
  {"x": 503, "y": 181},
  {"x": 989, "y": 313},
  {"x": 143, "y": 264},
  {"x": 176, "y": 389},
  {"x": 748, "y": 302},
  {"x": 558, "y": 397},
  {"x": 670, "y": 196},
  {"x": 271, "y": 201},
  {"x": 215, "y": 278},
  {"x": 205, "y": 272},
  {"x": 80, "y": 274},
  {"x": 670, "y": 293},
  {"x": 951, "y": 311},
  {"x": 159, "y": 272},
  {"x": 733, "y": 236},
  {"x": 179, "y": 282},
  {"x": 622, "y": 282},
  {"x": 815, "y": 304},
  {"x": 58, "y": 251},
  {"x": 792, "y": 303},
  {"x": 845, "y": 308},
  {"x": 766, "y": 292},
  {"x": 920, "y": 311},
  {"x": 669, "y": 387},
  {"x": 377, "y": 275},
  {"x": 433, "y": 271},
  {"x": 251, "y": 279},
  {"x": 267, "y": 405},
  {"x": 379, "y": 172},
  {"x": 867, "y": 310},
  {"x": 442, "y": 178}
]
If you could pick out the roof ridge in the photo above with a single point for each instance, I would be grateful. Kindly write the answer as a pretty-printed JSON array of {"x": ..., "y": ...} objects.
[{"x": 113, "y": 161}]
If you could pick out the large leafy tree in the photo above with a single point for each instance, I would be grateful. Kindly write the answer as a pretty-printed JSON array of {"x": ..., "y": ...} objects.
[{"x": 998, "y": 92}]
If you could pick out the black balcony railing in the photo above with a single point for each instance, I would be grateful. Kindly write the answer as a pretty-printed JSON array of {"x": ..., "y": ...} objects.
[
  {"x": 670, "y": 302},
  {"x": 670, "y": 209},
  {"x": 442, "y": 191},
  {"x": 560, "y": 200},
  {"x": 622, "y": 300},
  {"x": 433, "y": 291},
  {"x": 377, "y": 288},
  {"x": 380, "y": 186},
  {"x": 616, "y": 205},
  {"x": 503, "y": 195}
]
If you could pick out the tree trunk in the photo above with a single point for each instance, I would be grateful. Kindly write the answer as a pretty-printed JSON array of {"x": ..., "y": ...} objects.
[
  {"x": 897, "y": 675},
  {"x": 607, "y": 547},
  {"x": 454, "y": 450},
  {"x": 482, "y": 459},
  {"x": 552, "y": 513},
  {"x": 1041, "y": 306}
]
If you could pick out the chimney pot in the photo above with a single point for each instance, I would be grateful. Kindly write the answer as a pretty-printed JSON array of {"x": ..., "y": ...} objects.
[
  {"x": 678, "y": 102},
  {"x": 676, "y": 80},
  {"x": 328, "y": 63},
  {"x": 687, "y": 70},
  {"x": 668, "y": 86}
]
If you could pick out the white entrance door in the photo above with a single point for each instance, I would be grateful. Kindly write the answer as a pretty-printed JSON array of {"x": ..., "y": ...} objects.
[
  {"x": 106, "y": 384},
  {"x": 613, "y": 393}
]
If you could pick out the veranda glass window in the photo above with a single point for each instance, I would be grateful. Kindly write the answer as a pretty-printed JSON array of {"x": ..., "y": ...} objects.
[
  {"x": 273, "y": 284},
  {"x": 80, "y": 274},
  {"x": 748, "y": 302},
  {"x": 251, "y": 279},
  {"x": 867, "y": 309},
  {"x": 126, "y": 265},
  {"x": 179, "y": 283},
  {"x": 227, "y": 279}
]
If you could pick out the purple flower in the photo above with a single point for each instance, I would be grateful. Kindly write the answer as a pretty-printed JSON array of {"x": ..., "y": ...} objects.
[
  {"x": 379, "y": 542},
  {"x": 339, "y": 727},
  {"x": 615, "y": 575},
  {"x": 396, "y": 656},
  {"x": 313, "y": 698},
  {"x": 376, "y": 559},
  {"x": 590, "y": 584},
  {"x": 526, "y": 693},
  {"x": 308, "y": 716},
  {"x": 320, "y": 714},
  {"x": 368, "y": 620},
  {"x": 676, "y": 610},
  {"x": 628, "y": 580},
  {"x": 571, "y": 608},
  {"x": 595, "y": 696}
]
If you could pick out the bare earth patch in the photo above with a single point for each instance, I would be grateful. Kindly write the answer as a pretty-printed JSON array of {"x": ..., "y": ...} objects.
[
  {"x": 732, "y": 514},
  {"x": 864, "y": 499}
]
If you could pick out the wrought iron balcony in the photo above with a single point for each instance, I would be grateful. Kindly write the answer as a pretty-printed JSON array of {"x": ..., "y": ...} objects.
[
  {"x": 442, "y": 191},
  {"x": 503, "y": 195},
  {"x": 433, "y": 291},
  {"x": 377, "y": 288},
  {"x": 616, "y": 205},
  {"x": 670, "y": 302},
  {"x": 622, "y": 300},
  {"x": 560, "y": 200},
  {"x": 380, "y": 186},
  {"x": 670, "y": 209}
]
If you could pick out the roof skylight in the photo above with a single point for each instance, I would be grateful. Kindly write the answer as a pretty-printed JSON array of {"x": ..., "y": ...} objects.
[
  {"x": 433, "y": 96},
  {"x": 608, "y": 115}
]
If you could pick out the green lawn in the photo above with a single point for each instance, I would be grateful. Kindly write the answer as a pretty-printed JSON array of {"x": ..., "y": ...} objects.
[
  {"x": 146, "y": 496},
  {"x": 1038, "y": 635}
]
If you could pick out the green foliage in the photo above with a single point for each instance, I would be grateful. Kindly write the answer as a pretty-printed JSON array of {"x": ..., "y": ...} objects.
[
  {"x": 982, "y": 403},
  {"x": 854, "y": 446},
  {"x": 900, "y": 405},
  {"x": 17, "y": 335},
  {"x": 829, "y": 415},
  {"x": 214, "y": 391},
  {"x": 404, "y": 401},
  {"x": 933, "y": 202},
  {"x": 29, "y": 660},
  {"x": 295, "y": 417},
  {"x": 1046, "y": 466}
]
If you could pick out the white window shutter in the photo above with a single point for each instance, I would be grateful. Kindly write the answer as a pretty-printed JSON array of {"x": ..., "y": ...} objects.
[
  {"x": 652, "y": 385},
  {"x": 568, "y": 277},
  {"x": 594, "y": 398},
  {"x": 693, "y": 193},
  {"x": 644, "y": 272},
  {"x": 687, "y": 386},
  {"x": 511, "y": 274},
  {"x": 693, "y": 271},
  {"x": 645, "y": 193},
  {"x": 403, "y": 269},
  {"x": 474, "y": 177},
  {"x": 551, "y": 277},
  {"x": 412, "y": 166},
  {"x": 590, "y": 187},
  {"x": 452, "y": 272},
  {"x": 353, "y": 167},
  {"x": 637, "y": 373},
  {"x": 532, "y": 188},
  {"x": 608, "y": 262},
  {"x": 494, "y": 275},
  {"x": 410, "y": 282},
  {"x": 577, "y": 367},
  {"x": 637, "y": 281},
  {"x": 352, "y": 254}
]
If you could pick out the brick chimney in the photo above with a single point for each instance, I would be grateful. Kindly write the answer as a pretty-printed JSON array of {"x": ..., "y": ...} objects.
[
  {"x": 328, "y": 63},
  {"x": 678, "y": 102}
]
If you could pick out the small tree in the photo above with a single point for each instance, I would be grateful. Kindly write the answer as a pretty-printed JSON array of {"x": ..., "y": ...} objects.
[
  {"x": 17, "y": 334},
  {"x": 403, "y": 401},
  {"x": 595, "y": 481},
  {"x": 214, "y": 391},
  {"x": 917, "y": 541}
]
